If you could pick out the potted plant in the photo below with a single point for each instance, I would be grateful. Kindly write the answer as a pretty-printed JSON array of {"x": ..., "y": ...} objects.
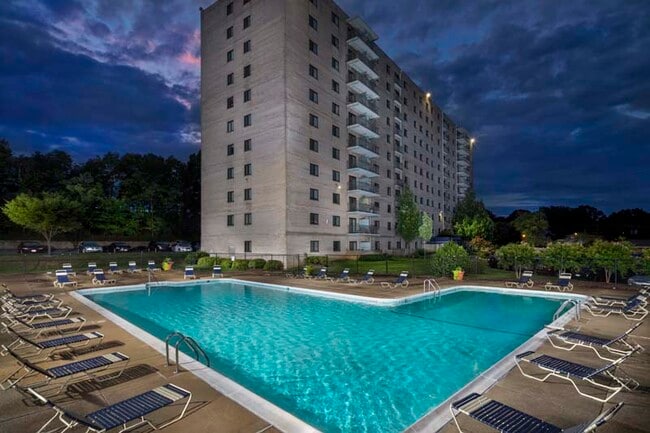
[
  {"x": 167, "y": 264},
  {"x": 459, "y": 273}
]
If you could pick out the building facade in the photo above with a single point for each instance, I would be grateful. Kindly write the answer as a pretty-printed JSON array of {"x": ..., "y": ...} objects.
[{"x": 310, "y": 132}]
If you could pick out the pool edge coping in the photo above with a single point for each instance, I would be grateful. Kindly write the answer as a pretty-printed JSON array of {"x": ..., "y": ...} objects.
[{"x": 432, "y": 421}]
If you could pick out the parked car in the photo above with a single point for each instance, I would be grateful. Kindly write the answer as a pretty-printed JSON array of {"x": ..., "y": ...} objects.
[
  {"x": 31, "y": 248},
  {"x": 118, "y": 247},
  {"x": 182, "y": 247},
  {"x": 89, "y": 247},
  {"x": 196, "y": 246},
  {"x": 159, "y": 246}
]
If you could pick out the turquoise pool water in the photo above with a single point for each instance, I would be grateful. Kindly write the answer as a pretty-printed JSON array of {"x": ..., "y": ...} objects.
[{"x": 340, "y": 366}]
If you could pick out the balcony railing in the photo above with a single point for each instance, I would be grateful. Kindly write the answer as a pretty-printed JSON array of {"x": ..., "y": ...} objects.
[
  {"x": 352, "y": 186},
  {"x": 354, "y": 55},
  {"x": 366, "y": 123},
  {"x": 352, "y": 229},
  {"x": 354, "y": 141},
  {"x": 369, "y": 83},
  {"x": 363, "y": 165},
  {"x": 358, "y": 207},
  {"x": 352, "y": 98},
  {"x": 397, "y": 130}
]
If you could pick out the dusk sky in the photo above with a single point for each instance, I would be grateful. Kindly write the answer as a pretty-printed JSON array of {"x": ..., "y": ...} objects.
[{"x": 557, "y": 93}]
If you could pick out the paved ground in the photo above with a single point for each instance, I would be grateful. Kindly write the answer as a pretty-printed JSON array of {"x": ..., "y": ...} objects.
[{"x": 555, "y": 401}]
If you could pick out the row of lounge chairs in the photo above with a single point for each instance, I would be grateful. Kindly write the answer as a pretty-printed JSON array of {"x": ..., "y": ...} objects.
[
  {"x": 27, "y": 319},
  {"x": 344, "y": 277},
  {"x": 526, "y": 281}
]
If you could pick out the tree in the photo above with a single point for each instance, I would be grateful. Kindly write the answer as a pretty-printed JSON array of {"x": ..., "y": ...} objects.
[
  {"x": 425, "y": 230},
  {"x": 472, "y": 219},
  {"x": 408, "y": 217},
  {"x": 533, "y": 227},
  {"x": 49, "y": 215},
  {"x": 481, "y": 247},
  {"x": 516, "y": 256},
  {"x": 449, "y": 257},
  {"x": 612, "y": 257},
  {"x": 563, "y": 257}
]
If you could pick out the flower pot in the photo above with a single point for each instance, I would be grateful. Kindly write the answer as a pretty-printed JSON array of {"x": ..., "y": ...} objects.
[
  {"x": 458, "y": 275},
  {"x": 167, "y": 266}
]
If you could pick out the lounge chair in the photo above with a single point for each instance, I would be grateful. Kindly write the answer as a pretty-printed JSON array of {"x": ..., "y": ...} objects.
[
  {"x": 133, "y": 268},
  {"x": 91, "y": 268},
  {"x": 100, "y": 278},
  {"x": 68, "y": 268},
  {"x": 63, "y": 280},
  {"x": 634, "y": 310},
  {"x": 62, "y": 326},
  {"x": 216, "y": 272},
  {"x": 51, "y": 346},
  {"x": 368, "y": 278},
  {"x": 8, "y": 295},
  {"x": 113, "y": 268},
  {"x": 568, "y": 340},
  {"x": 400, "y": 281},
  {"x": 506, "y": 419},
  {"x": 571, "y": 371},
  {"x": 563, "y": 283},
  {"x": 302, "y": 273},
  {"x": 343, "y": 277},
  {"x": 321, "y": 275},
  {"x": 611, "y": 301},
  {"x": 525, "y": 280},
  {"x": 9, "y": 310},
  {"x": 189, "y": 273},
  {"x": 151, "y": 266},
  {"x": 49, "y": 313},
  {"x": 72, "y": 372},
  {"x": 122, "y": 413}
]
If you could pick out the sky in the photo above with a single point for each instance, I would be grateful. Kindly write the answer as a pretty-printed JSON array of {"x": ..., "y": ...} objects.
[{"x": 557, "y": 93}]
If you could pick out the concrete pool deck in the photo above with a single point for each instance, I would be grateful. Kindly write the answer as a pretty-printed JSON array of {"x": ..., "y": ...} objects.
[{"x": 554, "y": 401}]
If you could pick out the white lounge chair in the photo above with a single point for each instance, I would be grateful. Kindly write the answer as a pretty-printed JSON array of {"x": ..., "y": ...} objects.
[
  {"x": 563, "y": 283},
  {"x": 400, "y": 281},
  {"x": 525, "y": 280}
]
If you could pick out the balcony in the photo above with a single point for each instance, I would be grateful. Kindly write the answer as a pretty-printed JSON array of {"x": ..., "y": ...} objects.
[
  {"x": 362, "y": 189},
  {"x": 397, "y": 130},
  {"x": 363, "y": 29},
  {"x": 360, "y": 42},
  {"x": 363, "y": 127},
  {"x": 362, "y": 106},
  {"x": 362, "y": 64},
  {"x": 399, "y": 149},
  {"x": 463, "y": 150},
  {"x": 362, "y": 84},
  {"x": 362, "y": 230},
  {"x": 463, "y": 162},
  {"x": 362, "y": 146},
  {"x": 362, "y": 168},
  {"x": 359, "y": 209}
]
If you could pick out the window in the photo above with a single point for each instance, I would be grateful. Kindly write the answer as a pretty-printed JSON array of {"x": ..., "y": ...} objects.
[
  {"x": 247, "y": 46},
  {"x": 336, "y": 198},
  {"x": 336, "y": 221},
  {"x": 230, "y": 56},
  {"x": 313, "y": 219},
  {"x": 248, "y": 194},
  {"x": 230, "y": 150},
  {"x": 248, "y": 246},
  {"x": 248, "y": 219},
  {"x": 230, "y": 102},
  {"x": 247, "y": 145},
  {"x": 230, "y": 126},
  {"x": 230, "y": 220},
  {"x": 336, "y": 246},
  {"x": 336, "y": 131},
  {"x": 335, "y": 19},
  {"x": 313, "y": 120},
  {"x": 335, "y": 86},
  {"x": 229, "y": 7},
  {"x": 247, "y": 71},
  {"x": 335, "y": 41},
  {"x": 314, "y": 246},
  {"x": 229, "y": 32},
  {"x": 248, "y": 169},
  {"x": 248, "y": 120},
  {"x": 247, "y": 95},
  {"x": 336, "y": 153},
  {"x": 313, "y": 169},
  {"x": 335, "y": 64},
  {"x": 231, "y": 196},
  {"x": 313, "y": 47},
  {"x": 247, "y": 22},
  {"x": 352, "y": 246},
  {"x": 313, "y": 71},
  {"x": 313, "y": 96},
  {"x": 313, "y": 23},
  {"x": 313, "y": 194},
  {"x": 230, "y": 173},
  {"x": 230, "y": 79},
  {"x": 336, "y": 109},
  {"x": 313, "y": 145}
]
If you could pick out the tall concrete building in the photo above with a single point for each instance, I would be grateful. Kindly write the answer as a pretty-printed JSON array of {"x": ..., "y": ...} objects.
[{"x": 310, "y": 132}]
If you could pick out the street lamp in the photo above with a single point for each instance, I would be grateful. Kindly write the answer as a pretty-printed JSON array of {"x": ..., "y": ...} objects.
[{"x": 428, "y": 95}]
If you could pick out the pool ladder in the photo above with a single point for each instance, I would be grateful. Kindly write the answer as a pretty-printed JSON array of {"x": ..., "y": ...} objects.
[
  {"x": 189, "y": 342},
  {"x": 149, "y": 284},
  {"x": 575, "y": 304},
  {"x": 431, "y": 285}
]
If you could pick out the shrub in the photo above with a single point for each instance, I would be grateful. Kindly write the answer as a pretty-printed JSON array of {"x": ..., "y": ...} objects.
[
  {"x": 256, "y": 264},
  {"x": 316, "y": 260},
  {"x": 205, "y": 262},
  {"x": 611, "y": 257},
  {"x": 449, "y": 257},
  {"x": 273, "y": 265},
  {"x": 645, "y": 262},
  {"x": 225, "y": 264},
  {"x": 482, "y": 247},
  {"x": 193, "y": 258},
  {"x": 240, "y": 264},
  {"x": 562, "y": 257},
  {"x": 516, "y": 256}
]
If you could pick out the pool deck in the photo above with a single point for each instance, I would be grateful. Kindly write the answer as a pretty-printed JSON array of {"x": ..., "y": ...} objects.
[{"x": 554, "y": 401}]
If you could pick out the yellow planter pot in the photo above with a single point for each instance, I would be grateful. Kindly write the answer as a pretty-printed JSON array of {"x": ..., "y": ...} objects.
[
  {"x": 458, "y": 275},
  {"x": 167, "y": 266}
]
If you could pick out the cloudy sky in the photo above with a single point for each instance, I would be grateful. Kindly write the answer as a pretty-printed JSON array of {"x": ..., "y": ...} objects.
[{"x": 556, "y": 92}]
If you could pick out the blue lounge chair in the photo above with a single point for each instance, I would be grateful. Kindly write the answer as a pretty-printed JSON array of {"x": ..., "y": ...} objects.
[
  {"x": 615, "y": 301},
  {"x": 29, "y": 317},
  {"x": 368, "y": 278},
  {"x": 563, "y": 283},
  {"x": 569, "y": 340},
  {"x": 8, "y": 295},
  {"x": 572, "y": 372},
  {"x": 216, "y": 272},
  {"x": 113, "y": 268},
  {"x": 100, "y": 278},
  {"x": 400, "y": 281},
  {"x": 151, "y": 266},
  {"x": 28, "y": 306},
  {"x": 507, "y": 419},
  {"x": 29, "y": 347},
  {"x": 344, "y": 276},
  {"x": 133, "y": 268},
  {"x": 35, "y": 329},
  {"x": 302, "y": 273},
  {"x": 68, "y": 268},
  {"x": 91, "y": 268},
  {"x": 122, "y": 413},
  {"x": 72, "y": 372},
  {"x": 189, "y": 273},
  {"x": 634, "y": 310},
  {"x": 321, "y": 275},
  {"x": 525, "y": 280},
  {"x": 63, "y": 280}
]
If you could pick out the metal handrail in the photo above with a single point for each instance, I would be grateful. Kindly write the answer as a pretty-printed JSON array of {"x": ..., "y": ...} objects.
[
  {"x": 190, "y": 343},
  {"x": 431, "y": 285},
  {"x": 573, "y": 302}
]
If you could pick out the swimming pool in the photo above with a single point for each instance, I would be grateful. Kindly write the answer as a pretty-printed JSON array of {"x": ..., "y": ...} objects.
[{"x": 339, "y": 366}]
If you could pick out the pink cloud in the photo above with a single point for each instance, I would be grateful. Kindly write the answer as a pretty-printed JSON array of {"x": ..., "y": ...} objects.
[{"x": 189, "y": 58}]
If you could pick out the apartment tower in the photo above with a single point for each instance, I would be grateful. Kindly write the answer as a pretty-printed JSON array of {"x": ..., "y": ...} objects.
[{"x": 310, "y": 132}]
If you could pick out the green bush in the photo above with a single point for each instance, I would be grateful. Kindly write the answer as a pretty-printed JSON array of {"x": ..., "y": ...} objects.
[
  {"x": 273, "y": 265},
  {"x": 205, "y": 262},
  {"x": 316, "y": 260},
  {"x": 372, "y": 258},
  {"x": 225, "y": 264},
  {"x": 193, "y": 258},
  {"x": 256, "y": 264},
  {"x": 564, "y": 257},
  {"x": 240, "y": 264},
  {"x": 516, "y": 256},
  {"x": 449, "y": 257}
]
